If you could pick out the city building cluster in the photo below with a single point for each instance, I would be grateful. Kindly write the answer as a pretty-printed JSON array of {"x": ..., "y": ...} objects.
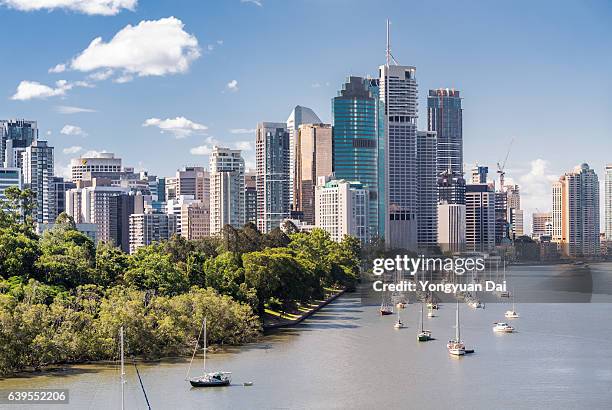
[{"x": 370, "y": 174}]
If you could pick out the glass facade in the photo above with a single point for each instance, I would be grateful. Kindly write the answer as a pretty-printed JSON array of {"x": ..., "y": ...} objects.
[{"x": 355, "y": 140}]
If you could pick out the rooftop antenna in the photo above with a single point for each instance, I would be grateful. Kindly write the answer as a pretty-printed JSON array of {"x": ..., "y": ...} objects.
[{"x": 389, "y": 55}]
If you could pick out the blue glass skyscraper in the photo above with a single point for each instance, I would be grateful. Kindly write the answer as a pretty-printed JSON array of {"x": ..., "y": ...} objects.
[{"x": 355, "y": 140}]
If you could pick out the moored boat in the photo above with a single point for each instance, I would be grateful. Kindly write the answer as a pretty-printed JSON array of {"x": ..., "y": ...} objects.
[
  {"x": 503, "y": 327},
  {"x": 207, "y": 379}
]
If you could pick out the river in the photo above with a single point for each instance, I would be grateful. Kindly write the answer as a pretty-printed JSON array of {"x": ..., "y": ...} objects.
[{"x": 347, "y": 356}]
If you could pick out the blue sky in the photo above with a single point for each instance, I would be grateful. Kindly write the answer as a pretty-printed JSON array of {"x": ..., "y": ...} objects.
[{"x": 538, "y": 72}]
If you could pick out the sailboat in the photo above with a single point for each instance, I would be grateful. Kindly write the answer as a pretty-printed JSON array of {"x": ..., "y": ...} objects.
[
  {"x": 385, "y": 307},
  {"x": 423, "y": 335},
  {"x": 207, "y": 379},
  {"x": 512, "y": 314},
  {"x": 399, "y": 324},
  {"x": 455, "y": 346}
]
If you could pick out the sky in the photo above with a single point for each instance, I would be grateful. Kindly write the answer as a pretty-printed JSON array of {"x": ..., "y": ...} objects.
[{"x": 160, "y": 82}]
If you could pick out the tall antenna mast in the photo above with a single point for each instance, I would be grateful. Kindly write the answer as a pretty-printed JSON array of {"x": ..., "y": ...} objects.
[{"x": 388, "y": 45}]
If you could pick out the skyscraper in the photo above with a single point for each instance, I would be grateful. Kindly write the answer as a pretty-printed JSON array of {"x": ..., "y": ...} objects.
[
  {"x": 479, "y": 217},
  {"x": 313, "y": 159},
  {"x": 193, "y": 181},
  {"x": 9, "y": 177},
  {"x": 355, "y": 141},
  {"x": 226, "y": 189},
  {"x": 576, "y": 212},
  {"x": 104, "y": 162},
  {"x": 541, "y": 224},
  {"x": 479, "y": 175},
  {"x": 299, "y": 115},
  {"x": 451, "y": 227},
  {"x": 272, "y": 163},
  {"x": 398, "y": 96},
  {"x": 37, "y": 170},
  {"x": 427, "y": 189},
  {"x": 608, "y": 203},
  {"x": 15, "y": 135},
  {"x": 250, "y": 197},
  {"x": 148, "y": 228},
  {"x": 445, "y": 116}
]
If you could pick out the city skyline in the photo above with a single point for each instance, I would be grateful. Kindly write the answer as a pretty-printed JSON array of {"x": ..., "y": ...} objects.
[{"x": 216, "y": 97}]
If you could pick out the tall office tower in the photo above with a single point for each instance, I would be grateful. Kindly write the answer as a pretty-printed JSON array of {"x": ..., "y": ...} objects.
[
  {"x": 608, "y": 203},
  {"x": 170, "y": 188},
  {"x": 95, "y": 201},
  {"x": 398, "y": 96},
  {"x": 58, "y": 187},
  {"x": 479, "y": 175},
  {"x": 175, "y": 207},
  {"x": 502, "y": 218},
  {"x": 576, "y": 212},
  {"x": 451, "y": 188},
  {"x": 37, "y": 169},
  {"x": 514, "y": 212},
  {"x": 541, "y": 224},
  {"x": 513, "y": 193},
  {"x": 194, "y": 181},
  {"x": 146, "y": 229},
  {"x": 427, "y": 189},
  {"x": 445, "y": 115},
  {"x": 15, "y": 135},
  {"x": 479, "y": 218},
  {"x": 451, "y": 227},
  {"x": 250, "y": 197},
  {"x": 226, "y": 189},
  {"x": 313, "y": 159},
  {"x": 341, "y": 208},
  {"x": 299, "y": 115},
  {"x": 272, "y": 160},
  {"x": 102, "y": 163},
  {"x": 124, "y": 205},
  {"x": 9, "y": 177},
  {"x": 161, "y": 189},
  {"x": 195, "y": 221},
  {"x": 356, "y": 141}
]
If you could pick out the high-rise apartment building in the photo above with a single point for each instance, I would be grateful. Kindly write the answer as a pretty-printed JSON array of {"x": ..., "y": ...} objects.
[
  {"x": 193, "y": 181},
  {"x": 250, "y": 197},
  {"x": 15, "y": 137},
  {"x": 195, "y": 221},
  {"x": 272, "y": 163},
  {"x": 427, "y": 189},
  {"x": 479, "y": 175},
  {"x": 451, "y": 227},
  {"x": 299, "y": 115},
  {"x": 608, "y": 203},
  {"x": 479, "y": 218},
  {"x": 356, "y": 141},
  {"x": 313, "y": 159},
  {"x": 514, "y": 211},
  {"x": 227, "y": 191},
  {"x": 398, "y": 97},
  {"x": 175, "y": 207},
  {"x": 37, "y": 168},
  {"x": 576, "y": 212},
  {"x": 9, "y": 177},
  {"x": 58, "y": 187},
  {"x": 146, "y": 229},
  {"x": 104, "y": 162},
  {"x": 341, "y": 208},
  {"x": 541, "y": 224}
]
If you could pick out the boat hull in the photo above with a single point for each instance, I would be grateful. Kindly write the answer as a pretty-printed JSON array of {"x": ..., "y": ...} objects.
[
  {"x": 196, "y": 383},
  {"x": 385, "y": 312}
]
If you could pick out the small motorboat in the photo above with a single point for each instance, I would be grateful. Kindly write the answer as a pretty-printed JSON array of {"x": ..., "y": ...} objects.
[
  {"x": 247, "y": 383},
  {"x": 503, "y": 327}
]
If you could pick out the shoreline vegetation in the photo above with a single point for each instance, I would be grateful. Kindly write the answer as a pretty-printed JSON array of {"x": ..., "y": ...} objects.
[{"x": 63, "y": 300}]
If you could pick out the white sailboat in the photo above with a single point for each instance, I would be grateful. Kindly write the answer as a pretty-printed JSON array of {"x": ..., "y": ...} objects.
[
  {"x": 455, "y": 346},
  {"x": 512, "y": 314},
  {"x": 399, "y": 324},
  {"x": 207, "y": 379}
]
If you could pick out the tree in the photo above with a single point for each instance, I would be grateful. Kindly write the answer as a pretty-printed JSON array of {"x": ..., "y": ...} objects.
[
  {"x": 18, "y": 253},
  {"x": 111, "y": 263},
  {"x": 150, "y": 268},
  {"x": 224, "y": 273},
  {"x": 17, "y": 208}
]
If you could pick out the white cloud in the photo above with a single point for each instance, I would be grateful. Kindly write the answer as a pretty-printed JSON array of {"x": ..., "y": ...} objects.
[
  {"x": 242, "y": 131},
  {"x": 72, "y": 130},
  {"x": 60, "y": 68},
  {"x": 93, "y": 154},
  {"x": 63, "y": 170},
  {"x": 536, "y": 189},
  {"x": 67, "y": 109},
  {"x": 101, "y": 75},
  {"x": 101, "y": 7},
  {"x": 201, "y": 150},
  {"x": 232, "y": 85},
  {"x": 180, "y": 127},
  {"x": 72, "y": 150},
  {"x": 244, "y": 145},
  {"x": 126, "y": 78},
  {"x": 255, "y": 2},
  {"x": 151, "y": 48},
  {"x": 27, "y": 90}
]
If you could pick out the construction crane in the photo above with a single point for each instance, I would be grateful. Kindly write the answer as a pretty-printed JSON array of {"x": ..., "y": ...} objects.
[{"x": 501, "y": 168}]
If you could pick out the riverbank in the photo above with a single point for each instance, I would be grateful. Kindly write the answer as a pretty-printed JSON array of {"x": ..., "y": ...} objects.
[{"x": 276, "y": 320}]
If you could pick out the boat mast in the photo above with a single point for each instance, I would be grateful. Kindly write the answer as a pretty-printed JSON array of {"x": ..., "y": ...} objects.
[
  {"x": 457, "y": 331},
  {"x": 122, "y": 371},
  {"x": 204, "y": 345},
  {"x": 421, "y": 317}
]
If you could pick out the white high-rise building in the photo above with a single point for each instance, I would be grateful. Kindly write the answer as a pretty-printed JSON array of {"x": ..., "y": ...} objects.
[
  {"x": 341, "y": 208},
  {"x": 608, "y": 202},
  {"x": 398, "y": 96},
  {"x": 102, "y": 162},
  {"x": 272, "y": 160},
  {"x": 37, "y": 168},
  {"x": 227, "y": 192},
  {"x": 175, "y": 207},
  {"x": 576, "y": 212},
  {"x": 299, "y": 115},
  {"x": 146, "y": 229},
  {"x": 451, "y": 227}
]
